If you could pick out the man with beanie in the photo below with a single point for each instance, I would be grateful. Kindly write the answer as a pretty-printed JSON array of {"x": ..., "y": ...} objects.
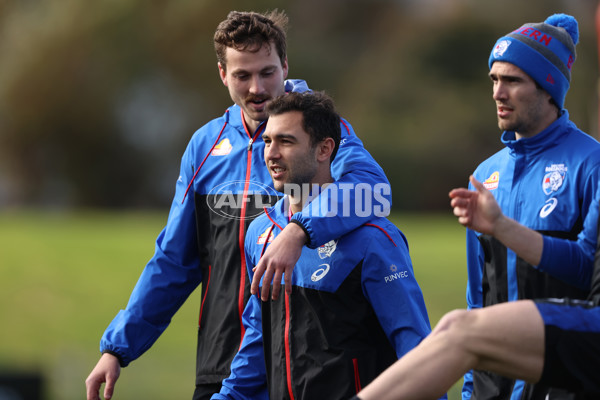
[
  {"x": 553, "y": 342},
  {"x": 544, "y": 179}
]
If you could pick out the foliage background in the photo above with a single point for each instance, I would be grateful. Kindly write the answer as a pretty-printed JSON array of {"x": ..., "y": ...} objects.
[
  {"x": 63, "y": 277},
  {"x": 98, "y": 99}
]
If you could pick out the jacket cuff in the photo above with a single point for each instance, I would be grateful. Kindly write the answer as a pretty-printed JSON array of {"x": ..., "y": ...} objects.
[
  {"x": 296, "y": 220},
  {"x": 121, "y": 362}
]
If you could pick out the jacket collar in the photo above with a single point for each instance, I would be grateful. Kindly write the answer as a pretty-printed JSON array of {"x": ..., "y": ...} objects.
[{"x": 546, "y": 138}]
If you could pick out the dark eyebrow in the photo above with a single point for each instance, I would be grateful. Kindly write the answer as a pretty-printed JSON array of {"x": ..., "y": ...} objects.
[
  {"x": 241, "y": 71},
  {"x": 505, "y": 77},
  {"x": 279, "y": 136}
]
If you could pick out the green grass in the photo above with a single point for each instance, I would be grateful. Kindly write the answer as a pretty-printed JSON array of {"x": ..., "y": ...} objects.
[{"x": 63, "y": 277}]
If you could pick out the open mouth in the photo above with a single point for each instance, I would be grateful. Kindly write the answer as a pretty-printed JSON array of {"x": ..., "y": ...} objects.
[
  {"x": 504, "y": 111},
  {"x": 277, "y": 171},
  {"x": 257, "y": 103}
]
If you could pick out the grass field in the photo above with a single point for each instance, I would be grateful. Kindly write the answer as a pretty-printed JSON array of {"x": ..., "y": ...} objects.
[{"x": 63, "y": 277}]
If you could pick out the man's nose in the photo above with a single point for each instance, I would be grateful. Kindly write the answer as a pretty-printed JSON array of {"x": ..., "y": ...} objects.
[
  {"x": 499, "y": 91},
  {"x": 271, "y": 152},
  {"x": 256, "y": 85}
]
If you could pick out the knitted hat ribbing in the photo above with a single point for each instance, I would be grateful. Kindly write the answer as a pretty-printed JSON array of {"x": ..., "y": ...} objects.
[{"x": 544, "y": 51}]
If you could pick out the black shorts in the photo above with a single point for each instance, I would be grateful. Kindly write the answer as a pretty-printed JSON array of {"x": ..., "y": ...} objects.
[{"x": 572, "y": 345}]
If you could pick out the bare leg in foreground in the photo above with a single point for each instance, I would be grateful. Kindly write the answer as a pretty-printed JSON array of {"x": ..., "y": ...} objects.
[{"x": 507, "y": 339}]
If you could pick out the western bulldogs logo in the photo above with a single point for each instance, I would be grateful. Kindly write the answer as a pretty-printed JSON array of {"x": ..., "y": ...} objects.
[
  {"x": 500, "y": 48},
  {"x": 327, "y": 249},
  {"x": 554, "y": 178}
]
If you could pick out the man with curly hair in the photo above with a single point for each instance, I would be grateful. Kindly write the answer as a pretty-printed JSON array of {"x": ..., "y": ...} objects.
[{"x": 223, "y": 185}]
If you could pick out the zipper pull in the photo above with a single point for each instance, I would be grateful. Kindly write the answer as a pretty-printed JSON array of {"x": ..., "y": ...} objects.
[{"x": 250, "y": 144}]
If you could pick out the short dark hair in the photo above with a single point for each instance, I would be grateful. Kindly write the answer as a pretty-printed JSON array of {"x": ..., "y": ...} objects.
[
  {"x": 319, "y": 117},
  {"x": 250, "y": 31},
  {"x": 552, "y": 101}
]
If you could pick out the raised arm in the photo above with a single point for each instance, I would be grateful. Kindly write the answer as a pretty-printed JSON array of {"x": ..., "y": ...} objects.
[
  {"x": 570, "y": 261},
  {"x": 478, "y": 210}
]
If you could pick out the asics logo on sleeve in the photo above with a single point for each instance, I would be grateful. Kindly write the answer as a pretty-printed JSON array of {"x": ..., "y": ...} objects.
[{"x": 551, "y": 204}]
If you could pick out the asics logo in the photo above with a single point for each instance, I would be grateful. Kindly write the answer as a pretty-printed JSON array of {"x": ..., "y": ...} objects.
[
  {"x": 320, "y": 273},
  {"x": 549, "y": 207}
]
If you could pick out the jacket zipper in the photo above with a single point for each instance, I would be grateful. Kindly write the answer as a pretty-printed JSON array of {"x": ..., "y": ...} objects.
[
  {"x": 242, "y": 231},
  {"x": 357, "y": 384},
  {"x": 204, "y": 299},
  {"x": 288, "y": 367}
]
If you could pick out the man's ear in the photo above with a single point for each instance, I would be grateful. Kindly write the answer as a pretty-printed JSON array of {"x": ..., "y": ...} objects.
[
  {"x": 222, "y": 73},
  {"x": 285, "y": 68},
  {"x": 325, "y": 148}
]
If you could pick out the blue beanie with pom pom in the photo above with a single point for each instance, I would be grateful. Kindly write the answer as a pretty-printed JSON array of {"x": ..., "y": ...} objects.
[{"x": 544, "y": 51}]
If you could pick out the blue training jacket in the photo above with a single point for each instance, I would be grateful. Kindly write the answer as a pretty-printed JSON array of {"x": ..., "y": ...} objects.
[
  {"x": 547, "y": 183},
  {"x": 354, "y": 309},
  {"x": 223, "y": 185}
]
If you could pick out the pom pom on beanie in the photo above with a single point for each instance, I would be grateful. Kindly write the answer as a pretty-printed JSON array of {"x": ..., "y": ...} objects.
[{"x": 566, "y": 22}]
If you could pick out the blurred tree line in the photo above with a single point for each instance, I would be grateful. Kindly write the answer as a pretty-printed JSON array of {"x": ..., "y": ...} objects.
[{"x": 98, "y": 99}]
